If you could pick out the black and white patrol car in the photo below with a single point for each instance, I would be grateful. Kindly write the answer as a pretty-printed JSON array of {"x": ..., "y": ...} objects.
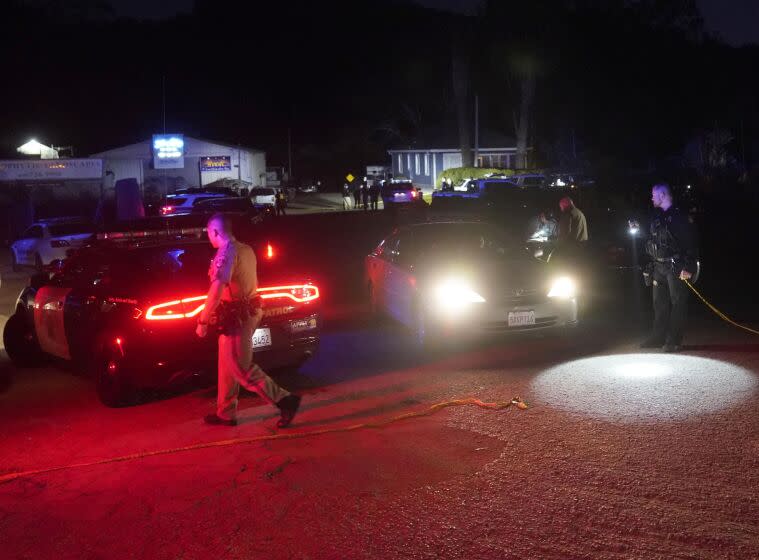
[{"x": 125, "y": 306}]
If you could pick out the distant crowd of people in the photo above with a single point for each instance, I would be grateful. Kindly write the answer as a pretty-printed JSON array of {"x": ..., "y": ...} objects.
[{"x": 362, "y": 194}]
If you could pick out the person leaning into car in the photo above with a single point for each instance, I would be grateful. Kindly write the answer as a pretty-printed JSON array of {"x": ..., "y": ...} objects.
[{"x": 234, "y": 285}]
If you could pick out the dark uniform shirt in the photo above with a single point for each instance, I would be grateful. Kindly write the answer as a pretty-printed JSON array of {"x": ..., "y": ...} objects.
[{"x": 673, "y": 236}]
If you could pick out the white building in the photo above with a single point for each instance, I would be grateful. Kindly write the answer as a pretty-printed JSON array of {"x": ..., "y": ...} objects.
[{"x": 200, "y": 163}]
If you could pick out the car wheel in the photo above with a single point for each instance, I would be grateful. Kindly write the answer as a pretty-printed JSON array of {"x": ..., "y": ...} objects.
[
  {"x": 38, "y": 262},
  {"x": 21, "y": 343},
  {"x": 112, "y": 377}
]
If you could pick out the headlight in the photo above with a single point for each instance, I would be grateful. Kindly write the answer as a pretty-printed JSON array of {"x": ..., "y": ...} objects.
[
  {"x": 563, "y": 288},
  {"x": 454, "y": 294}
]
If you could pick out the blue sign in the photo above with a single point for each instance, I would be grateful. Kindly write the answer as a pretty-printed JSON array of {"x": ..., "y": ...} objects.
[{"x": 168, "y": 151}]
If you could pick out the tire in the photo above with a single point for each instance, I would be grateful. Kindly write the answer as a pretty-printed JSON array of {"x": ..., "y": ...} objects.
[
  {"x": 21, "y": 343},
  {"x": 111, "y": 376}
]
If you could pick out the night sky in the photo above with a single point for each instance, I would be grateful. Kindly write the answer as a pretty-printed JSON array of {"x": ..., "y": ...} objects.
[{"x": 735, "y": 21}]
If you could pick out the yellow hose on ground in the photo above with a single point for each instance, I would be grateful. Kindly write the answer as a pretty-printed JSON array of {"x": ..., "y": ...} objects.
[
  {"x": 718, "y": 312},
  {"x": 516, "y": 401}
]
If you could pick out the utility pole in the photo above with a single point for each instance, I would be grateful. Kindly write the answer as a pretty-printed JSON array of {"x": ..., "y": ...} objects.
[
  {"x": 289, "y": 155},
  {"x": 476, "y": 130}
]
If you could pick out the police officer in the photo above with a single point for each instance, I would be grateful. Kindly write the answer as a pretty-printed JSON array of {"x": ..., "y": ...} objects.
[
  {"x": 672, "y": 246},
  {"x": 374, "y": 194},
  {"x": 346, "y": 197},
  {"x": 234, "y": 282},
  {"x": 279, "y": 200}
]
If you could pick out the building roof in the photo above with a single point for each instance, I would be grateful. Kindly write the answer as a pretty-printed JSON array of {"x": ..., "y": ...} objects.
[
  {"x": 446, "y": 137},
  {"x": 194, "y": 147}
]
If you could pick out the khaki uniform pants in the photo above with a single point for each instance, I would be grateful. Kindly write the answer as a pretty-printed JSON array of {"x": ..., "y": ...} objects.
[{"x": 236, "y": 367}]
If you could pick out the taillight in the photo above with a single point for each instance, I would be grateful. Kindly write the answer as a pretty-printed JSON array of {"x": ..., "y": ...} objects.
[
  {"x": 269, "y": 251},
  {"x": 300, "y": 293},
  {"x": 192, "y": 306},
  {"x": 176, "y": 309},
  {"x": 58, "y": 243},
  {"x": 167, "y": 210},
  {"x": 413, "y": 194}
]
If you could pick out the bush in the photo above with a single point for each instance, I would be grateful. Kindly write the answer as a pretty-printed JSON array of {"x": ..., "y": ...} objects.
[{"x": 458, "y": 175}]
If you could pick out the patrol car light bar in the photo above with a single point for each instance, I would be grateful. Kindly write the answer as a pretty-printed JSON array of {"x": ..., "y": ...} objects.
[
  {"x": 152, "y": 234},
  {"x": 190, "y": 307}
]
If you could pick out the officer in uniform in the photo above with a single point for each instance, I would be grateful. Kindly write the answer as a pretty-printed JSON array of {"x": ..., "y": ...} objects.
[
  {"x": 672, "y": 246},
  {"x": 233, "y": 293}
]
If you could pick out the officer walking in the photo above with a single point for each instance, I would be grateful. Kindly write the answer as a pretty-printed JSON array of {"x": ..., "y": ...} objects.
[
  {"x": 233, "y": 293},
  {"x": 673, "y": 248}
]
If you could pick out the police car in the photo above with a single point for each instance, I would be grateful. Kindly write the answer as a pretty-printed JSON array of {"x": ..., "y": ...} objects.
[
  {"x": 183, "y": 203},
  {"x": 460, "y": 280},
  {"x": 125, "y": 308},
  {"x": 48, "y": 240}
]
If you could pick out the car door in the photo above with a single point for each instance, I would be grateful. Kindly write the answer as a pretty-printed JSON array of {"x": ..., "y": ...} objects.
[
  {"x": 376, "y": 270},
  {"x": 400, "y": 280}
]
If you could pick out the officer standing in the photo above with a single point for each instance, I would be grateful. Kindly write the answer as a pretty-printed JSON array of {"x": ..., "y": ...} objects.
[
  {"x": 279, "y": 199},
  {"x": 673, "y": 248},
  {"x": 374, "y": 193},
  {"x": 346, "y": 197},
  {"x": 365, "y": 196},
  {"x": 356, "y": 195},
  {"x": 234, "y": 284}
]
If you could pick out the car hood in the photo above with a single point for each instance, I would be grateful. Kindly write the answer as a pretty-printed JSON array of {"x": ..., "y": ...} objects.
[{"x": 492, "y": 278}]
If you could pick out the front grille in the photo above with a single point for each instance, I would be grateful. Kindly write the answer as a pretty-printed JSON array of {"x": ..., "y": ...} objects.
[
  {"x": 504, "y": 325},
  {"x": 524, "y": 297}
]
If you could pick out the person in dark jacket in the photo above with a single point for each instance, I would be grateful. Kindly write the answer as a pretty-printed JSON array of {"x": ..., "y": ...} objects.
[
  {"x": 573, "y": 227},
  {"x": 356, "y": 195},
  {"x": 374, "y": 194},
  {"x": 365, "y": 195},
  {"x": 673, "y": 247}
]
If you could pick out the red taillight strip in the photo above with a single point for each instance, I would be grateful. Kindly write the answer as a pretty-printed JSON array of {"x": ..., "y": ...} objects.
[
  {"x": 279, "y": 291},
  {"x": 266, "y": 293}
]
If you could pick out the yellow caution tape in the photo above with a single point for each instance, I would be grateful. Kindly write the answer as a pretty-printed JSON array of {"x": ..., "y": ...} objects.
[
  {"x": 516, "y": 401},
  {"x": 718, "y": 312}
]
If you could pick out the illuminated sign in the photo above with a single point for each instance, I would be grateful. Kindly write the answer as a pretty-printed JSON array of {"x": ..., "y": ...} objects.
[
  {"x": 216, "y": 163},
  {"x": 168, "y": 151},
  {"x": 50, "y": 169}
]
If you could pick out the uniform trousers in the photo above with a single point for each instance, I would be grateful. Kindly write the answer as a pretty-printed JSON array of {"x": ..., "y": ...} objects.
[
  {"x": 670, "y": 304},
  {"x": 236, "y": 367}
]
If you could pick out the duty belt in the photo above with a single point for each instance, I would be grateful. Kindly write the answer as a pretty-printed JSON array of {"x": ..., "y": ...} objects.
[{"x": 666, "y": 260}]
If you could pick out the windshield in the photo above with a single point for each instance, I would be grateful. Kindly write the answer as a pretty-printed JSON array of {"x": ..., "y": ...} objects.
[
  {"x": 398, "y": 187},
  {"x": 464, "y": 240},
  {"x": 261, "y": 192}
]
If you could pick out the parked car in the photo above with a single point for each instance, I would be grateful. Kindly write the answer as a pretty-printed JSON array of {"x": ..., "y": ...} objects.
[
  {"x": 454, "y": 280},
  {"x": 48, "y": 240},
  {"x": 176, "y": 204},
  {"x": 395, "y": 193},
  {"x": 124, "y": 309},
  {"x": 240, "y": 208},
  {"x": 263, "y": 196}
]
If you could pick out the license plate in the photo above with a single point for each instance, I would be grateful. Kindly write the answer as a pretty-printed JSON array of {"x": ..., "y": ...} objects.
[
  {"x": 521, "y": 318},
  {"x": 262, "y": 338}
]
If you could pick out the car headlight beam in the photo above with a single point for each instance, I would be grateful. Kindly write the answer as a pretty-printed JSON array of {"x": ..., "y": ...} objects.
[
  {"x": 563, "y": 287},
  {"x": 455, "y": 293}
]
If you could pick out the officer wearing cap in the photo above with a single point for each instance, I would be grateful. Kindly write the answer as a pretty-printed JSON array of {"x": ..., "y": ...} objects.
[
  {"x": 672, "y": 246},
  {"x": 233, "y": 291}
]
